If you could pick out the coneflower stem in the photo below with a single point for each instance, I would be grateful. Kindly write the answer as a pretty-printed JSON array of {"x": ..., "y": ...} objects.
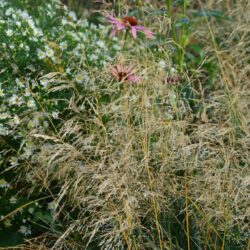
[
  {"x": 183, "y": 34},
  {"x": 124, "y": 40},
  {"x": 119, "y": 7},
  {"x": 184, "y": 7},
  {"x": 169, "y": 5}
]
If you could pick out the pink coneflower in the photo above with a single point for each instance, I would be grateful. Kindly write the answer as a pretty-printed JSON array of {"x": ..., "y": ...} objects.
[
  {"x": 128, "y": 23},
  {"x": 173, "y": 76},
  {"x": 123, "y": 73},
  {"x": 172, "y": 79}
]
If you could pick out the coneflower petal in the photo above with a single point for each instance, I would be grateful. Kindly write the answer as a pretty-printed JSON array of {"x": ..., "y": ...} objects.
[
  {"x": 133, "y": 32},
  {"x": 119, "y": 68},
  {"x": 114, "y": 71},
  {"x": 133, "y": 78},
  {"x": 123, "y": 73},
  {"x": 113, "y": 32},
  {"x": 146, "y": 31}
]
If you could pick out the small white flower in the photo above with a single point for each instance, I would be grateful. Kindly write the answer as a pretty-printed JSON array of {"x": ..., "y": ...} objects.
[
  {"x": 4, "y": 116},
  {"x": 27, "y": 92},
  {"x": 85, "y": 23},
  {"x": 45, "y": 124},
  {"x": 25, "y": 230},
  {"x": 8, "y": 11},
  {"x": 16, "y": 100},
  {"x": 18, "y": 24},
  {"x": 82, "y": 107},
  {"x": 4, "y": 183},
  {"x": 7, "y": 223},
  {"x": 101, "y": 44},
  {"x": 172, "y": 99},
  {"x": 102, "y": 27},
  {"x": 14, "y": 161},
  {"x": 173, "y": 70},
  {"x": 63, "y": 45},
  {"x": 50, "y": 53},
  {"x": 81, "y": 76},
  {"x": 93, "y": 26},
  {"x": 1, "y": 92},
  {"x": 93, "y": 57},
  {"x": 65, "y": 8},
  {"x": 31, "y": 103},
  {"x": 116, "y": 47},
  {"x": 31, "y": 210},
  {"x": 28, "y": 150},
  {"x": 37, "y": 33},
  {"x": 3, "y": 131},
  {"x": 16, "y": 120},
  {"x": 72, "y": 15},
  {"x": 76, "y": 52},
  {"x": 54, "y": 59},
  {"x": 9, "y": 32},
  {"x": 147, "y": 103},
  {"x": 54, "y": 115},
  {"x": 162, "y": 64},
  {"x": 44, "y": 83},
  {"x": 24, "y": 15},
  {"x": 41, "y": 54},
  {"x": 68, "y": 71},
  {"x": 13, "y": 200},
  {"x": 84, "y": 37},
  {"x": 11, "y": 46},
  {"x": 52, "y": 206},
  {"x": 32, "y": 68},
  {"x": 115, "y": 108},
  {"x": 169, "y": 116},
  {"x": 33, "y": 123},
  {"x": 64, "y": 21},
  {"x": 133, "y": 98},
  {"x": 19, "y": 83}
]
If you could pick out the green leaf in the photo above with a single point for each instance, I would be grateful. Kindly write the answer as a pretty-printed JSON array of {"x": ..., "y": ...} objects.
[
  {"x": 9, "y": 237},
  {"x": 210, "y": 13},
  {"x": 43, "y": 216}
]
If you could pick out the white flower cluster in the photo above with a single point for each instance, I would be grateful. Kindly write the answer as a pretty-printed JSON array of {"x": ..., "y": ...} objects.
[
  {"x": 35, "y": 41},
  {"x": 30, "y": 51}
]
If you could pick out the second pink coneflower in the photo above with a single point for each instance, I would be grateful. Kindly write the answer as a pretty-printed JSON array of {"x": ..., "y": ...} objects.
[
  {"x": 172, "y": 77},
  {"x": 128, "y": 23},
  {"x": 124, "y": 73}
]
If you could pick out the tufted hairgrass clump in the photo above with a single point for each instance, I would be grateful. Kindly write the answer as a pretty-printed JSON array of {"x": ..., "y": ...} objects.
[{"x": 124, "y": 142}]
